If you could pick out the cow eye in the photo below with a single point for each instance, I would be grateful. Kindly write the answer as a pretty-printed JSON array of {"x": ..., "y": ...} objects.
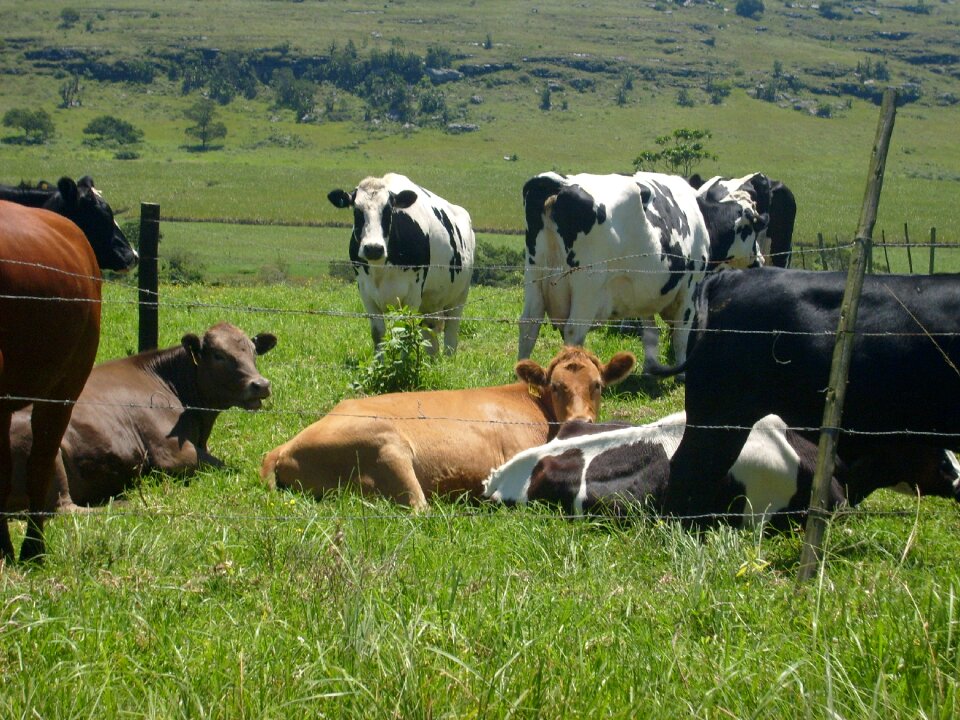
[{"x": 219, "y": 356}]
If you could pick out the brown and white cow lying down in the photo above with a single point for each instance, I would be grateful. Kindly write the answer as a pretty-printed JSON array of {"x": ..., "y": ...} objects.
[
  {"x": 411, "y": 446},
  {"x": 152, "y": 411},
  {"x": 587, "y": 469}
]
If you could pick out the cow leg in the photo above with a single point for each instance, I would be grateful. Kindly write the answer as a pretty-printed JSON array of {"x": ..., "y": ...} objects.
[
  {"x": 650, "y": 335},
  {"x": 6, "y": 470},
  {"x": 48, "y": 421},
  {"x": 451, "y": 328},
  {"x": 702, "y": 460},
  {"x": 395, "y": 478},
  {"x": 531, "y": 318},
  {"x": 583, "y": 311},
  {"x": 431, "y": 333}
]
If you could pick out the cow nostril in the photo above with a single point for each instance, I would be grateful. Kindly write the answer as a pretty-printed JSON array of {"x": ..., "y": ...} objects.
[{"x": 373, "y": 252}]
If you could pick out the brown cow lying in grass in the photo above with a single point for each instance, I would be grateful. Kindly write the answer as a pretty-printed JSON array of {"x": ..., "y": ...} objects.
[
  {"x": 410, "y": 446},
  {"x": 152, "y": 411}
]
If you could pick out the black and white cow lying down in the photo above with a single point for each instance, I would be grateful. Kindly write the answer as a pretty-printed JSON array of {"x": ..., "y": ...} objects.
[
  {"x": 625, "y": 246},
  {"x": 589, "y": 469},
  {"x": 409, "y": 247},
  {"x": 764, "y": 342}
]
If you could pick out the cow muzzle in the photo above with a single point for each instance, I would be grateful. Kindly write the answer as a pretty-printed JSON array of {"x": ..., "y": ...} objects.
[
  {"x": 373, "y": 253},
  {"x": 257, "y": 391}
]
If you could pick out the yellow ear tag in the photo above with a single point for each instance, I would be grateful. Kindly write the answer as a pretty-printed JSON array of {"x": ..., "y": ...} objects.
[
  {"x": 193, "y": 357},
  {"x": 533, "y": 390}
]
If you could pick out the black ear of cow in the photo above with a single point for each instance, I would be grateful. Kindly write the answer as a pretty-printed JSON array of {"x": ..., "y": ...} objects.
[
  {"x": 645, "y": 194},
  {"x": 404, "y": 199},
  {"x": 192, "y": 343},
  {"x": 264, "y": 343},
  {"x": 68, "y": 191},
  {"x": 86, "y": 182},
  {"x": 696, "y": 182},
  {"x": 340, "y": 198}
]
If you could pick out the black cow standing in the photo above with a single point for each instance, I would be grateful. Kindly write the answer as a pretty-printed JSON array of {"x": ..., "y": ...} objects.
[
  {"x": 763, "y": 344},
  {"x": 84, "y": 205}
]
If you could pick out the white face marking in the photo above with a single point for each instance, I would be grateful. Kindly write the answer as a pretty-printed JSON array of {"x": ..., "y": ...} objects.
[{"x": 955, "y": 464}]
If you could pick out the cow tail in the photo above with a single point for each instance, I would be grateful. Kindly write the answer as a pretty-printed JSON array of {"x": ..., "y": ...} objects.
[
  {"x": 697, "y": 326},
  {"x": 268, "y": 469}
]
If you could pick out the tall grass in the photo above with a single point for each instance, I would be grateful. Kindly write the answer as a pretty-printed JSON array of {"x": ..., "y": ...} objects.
[{"x": 217, "y": 598}]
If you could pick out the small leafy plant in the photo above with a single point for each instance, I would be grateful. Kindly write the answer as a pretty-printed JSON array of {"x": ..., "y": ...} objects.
[{"x": 399, "y": 362}]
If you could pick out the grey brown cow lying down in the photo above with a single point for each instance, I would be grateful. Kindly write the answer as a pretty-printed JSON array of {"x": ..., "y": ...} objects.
[
  {"x": 411, "y": 446},
  {"x": 152, "y": 411},
  {"x": 589, "y": 469}
]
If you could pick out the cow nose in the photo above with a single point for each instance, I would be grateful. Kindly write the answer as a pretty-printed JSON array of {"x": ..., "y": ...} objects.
[
  {"x": 260, "y": 388},
  {"x": 580, "y": 418},
  {"x": 373, "y": 252}
]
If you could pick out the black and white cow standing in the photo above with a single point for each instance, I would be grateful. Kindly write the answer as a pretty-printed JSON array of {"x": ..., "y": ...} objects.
[
  {"x": 619, "y": 246},
  {"x": 590, "y": 468},
  {"x": 771, "y": 198},
  {"x": 764, "y": 343},
  {"x": 410, "y": 248}
]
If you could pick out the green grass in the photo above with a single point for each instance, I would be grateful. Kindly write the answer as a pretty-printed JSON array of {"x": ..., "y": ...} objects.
[{"x": 220, "y": 599}]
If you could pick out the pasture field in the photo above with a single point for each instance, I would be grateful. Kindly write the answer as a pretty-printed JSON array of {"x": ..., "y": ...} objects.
[
  {"x": 217, "y": 598},
  {"x": 220, "y": 599}
]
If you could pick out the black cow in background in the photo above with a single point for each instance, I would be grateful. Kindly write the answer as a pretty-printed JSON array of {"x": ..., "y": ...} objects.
[
  {"x": 763, "y": 343},
  {"x": 84, "y": 205}
]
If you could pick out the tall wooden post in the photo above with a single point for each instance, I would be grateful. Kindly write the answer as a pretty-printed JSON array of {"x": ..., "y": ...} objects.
[
  {"x": 148, "y": 275},
  {"x": 837, "y": 388},
  {"x": 933, "y": 248}
]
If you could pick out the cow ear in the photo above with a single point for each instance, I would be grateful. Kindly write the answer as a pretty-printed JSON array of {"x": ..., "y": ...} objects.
[
  {"x": 85, "y": 183},
  {"x": 529, "y": 372},
  {"x": 264, "y": 343},
  {"x": 695, "y": 181},
  {"x": 68, "y": 191},
  {"x": 645, "y": 194},
  {"x": 340, "y": 198},
  {"x": 618, "y": 369},
  {"x": 192, "y": 343},
  {"x": 404, "y": 199}
]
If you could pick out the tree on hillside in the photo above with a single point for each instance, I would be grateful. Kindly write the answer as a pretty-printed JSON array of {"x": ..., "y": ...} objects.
[
  {"x": 109, "y": 130},
  {"x": 206, "y": 128},
  {"x": 750, "y": 8},
  {"x": 297, "y": 94},
  {"x": 37, "y": 125},
  {"x": 681, "y": 150}
]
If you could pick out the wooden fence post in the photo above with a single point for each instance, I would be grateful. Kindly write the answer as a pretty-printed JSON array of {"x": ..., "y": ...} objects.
[
  {"x": 886, "y": 256},
  {"x": 837, "y": 388},
  {"x": 148, "y": 276},
  {"x": 933, "y": 246},
  {"x": 823, "y": 252}
]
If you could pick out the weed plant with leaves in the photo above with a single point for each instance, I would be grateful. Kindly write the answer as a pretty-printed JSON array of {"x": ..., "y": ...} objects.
[{"x": 399, "y": 363}]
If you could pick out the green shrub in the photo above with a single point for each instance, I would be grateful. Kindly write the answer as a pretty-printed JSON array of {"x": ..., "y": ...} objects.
[
  {"x": 498, "y": 266},
  {"x": 184, "y": 268},
  {"x": 399, "y": 363}
]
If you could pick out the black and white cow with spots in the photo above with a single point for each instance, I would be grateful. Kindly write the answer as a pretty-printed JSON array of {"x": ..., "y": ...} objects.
[
  {"x": 771, "y": 198},
  {"x": 592, "y": 468},
  {"x": 620, "y": 470},
  {"x": 621, "y": 246},
  {"x": 412, "y": 248}
]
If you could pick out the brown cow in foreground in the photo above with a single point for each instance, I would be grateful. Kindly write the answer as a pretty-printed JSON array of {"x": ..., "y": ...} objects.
[
  {"x": 49, "y": 333},
  {"x": 410, "y": 446},
  {"x": 152, "y": 411}
]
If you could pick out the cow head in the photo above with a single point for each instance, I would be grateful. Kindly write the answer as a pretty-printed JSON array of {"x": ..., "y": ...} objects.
[
  {"x": 82, "y": 203},
  {"x": 373, "y": 212},
  {"x": 573, "y": 381},
  {"x": 734, "y": 224},
  {"x": 227, "y": 374}
]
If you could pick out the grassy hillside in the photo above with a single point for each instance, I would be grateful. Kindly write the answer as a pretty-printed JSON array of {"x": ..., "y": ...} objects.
[{"x": 272, "y": 168}]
